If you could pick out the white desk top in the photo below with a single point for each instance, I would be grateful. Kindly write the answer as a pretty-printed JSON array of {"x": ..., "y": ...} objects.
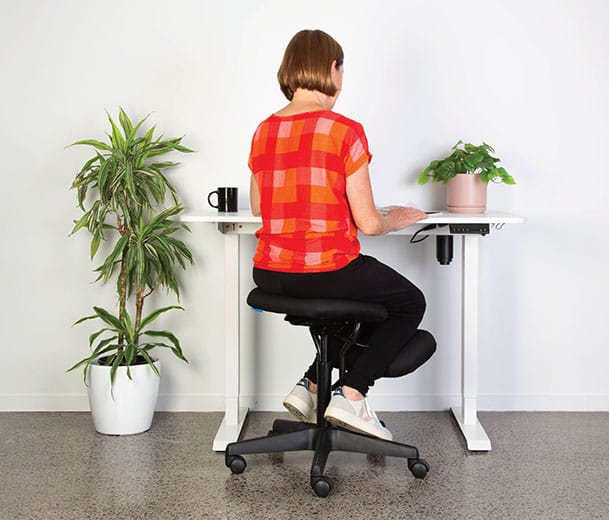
[{"x": 443, "y": 217}]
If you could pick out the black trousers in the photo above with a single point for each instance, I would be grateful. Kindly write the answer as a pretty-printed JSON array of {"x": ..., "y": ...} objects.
[{"x": 364, "y": 279}]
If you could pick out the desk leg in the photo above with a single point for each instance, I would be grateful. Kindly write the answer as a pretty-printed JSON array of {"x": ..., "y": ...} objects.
[
  {"x": 234, "y": 414},
  {"x": 467, "y": 415}
]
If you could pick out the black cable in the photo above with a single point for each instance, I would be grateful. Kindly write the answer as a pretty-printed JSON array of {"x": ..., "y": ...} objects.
[{"x": 414, "y": 240}]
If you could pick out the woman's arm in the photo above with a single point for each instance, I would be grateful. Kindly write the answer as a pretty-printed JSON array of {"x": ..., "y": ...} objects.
[
  {"x": 254, "y": 197},
  {"x": 367, "y": 218}
]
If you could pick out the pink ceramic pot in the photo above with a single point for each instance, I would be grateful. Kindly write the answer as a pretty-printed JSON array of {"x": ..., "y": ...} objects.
[{"x": 466, "y": 194}]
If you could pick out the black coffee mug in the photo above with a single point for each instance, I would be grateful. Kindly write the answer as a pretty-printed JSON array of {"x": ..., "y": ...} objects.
[{"x": 227, "y": 199}]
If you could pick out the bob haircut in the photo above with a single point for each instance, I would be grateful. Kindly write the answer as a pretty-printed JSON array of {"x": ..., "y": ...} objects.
[{"x": 307, "y": 63}]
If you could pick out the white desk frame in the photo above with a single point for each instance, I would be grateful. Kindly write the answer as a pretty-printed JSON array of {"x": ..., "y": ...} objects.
[{"x": 232, "y": 225}]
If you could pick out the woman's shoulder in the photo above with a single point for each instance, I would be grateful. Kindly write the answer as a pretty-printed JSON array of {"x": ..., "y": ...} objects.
[
  {"x": 341, "y": 118},
  {"x": 354, "y": 127}
]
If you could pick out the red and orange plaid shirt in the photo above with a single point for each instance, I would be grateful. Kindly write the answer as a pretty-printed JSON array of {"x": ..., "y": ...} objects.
[{"x": 301, "y": 164}]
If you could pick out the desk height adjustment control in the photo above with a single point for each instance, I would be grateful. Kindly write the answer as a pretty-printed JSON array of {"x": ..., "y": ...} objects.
[{"x": 469, "y": 229}]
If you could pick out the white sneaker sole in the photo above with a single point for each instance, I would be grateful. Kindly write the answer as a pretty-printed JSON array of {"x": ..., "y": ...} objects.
[
  {"x": 294, "y": 405},
  {"x": 348, "y": 421}
]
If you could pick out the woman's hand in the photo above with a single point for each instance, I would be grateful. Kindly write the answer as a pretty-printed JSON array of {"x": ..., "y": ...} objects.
[{"x": 400, "y": 217}]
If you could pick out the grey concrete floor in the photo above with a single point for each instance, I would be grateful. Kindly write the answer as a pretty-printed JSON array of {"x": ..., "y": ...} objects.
[{"x": 542, "y": 466}]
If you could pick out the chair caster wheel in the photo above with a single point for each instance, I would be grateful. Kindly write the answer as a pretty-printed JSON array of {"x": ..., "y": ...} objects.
[
  {"x": 322, "y": 486},
  {"x": 418, "y": 467},
  {"x": 236, "y": 463}
]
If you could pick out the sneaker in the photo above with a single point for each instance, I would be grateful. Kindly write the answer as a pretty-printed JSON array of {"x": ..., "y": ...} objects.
[
  {"x": 355, "y": 416},
  {"x": 302, "y": 403}
]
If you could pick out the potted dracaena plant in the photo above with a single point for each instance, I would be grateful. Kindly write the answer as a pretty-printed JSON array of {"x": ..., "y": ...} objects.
[
  {"x": 123, "y": 192},
  {"x": 467, "y": 171}
]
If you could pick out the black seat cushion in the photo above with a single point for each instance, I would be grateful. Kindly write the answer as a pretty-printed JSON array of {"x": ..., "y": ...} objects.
[{"x": 317, "y": 309}]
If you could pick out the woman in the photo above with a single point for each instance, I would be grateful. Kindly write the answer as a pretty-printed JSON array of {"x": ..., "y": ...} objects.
[{"x": 310, "y": 182}]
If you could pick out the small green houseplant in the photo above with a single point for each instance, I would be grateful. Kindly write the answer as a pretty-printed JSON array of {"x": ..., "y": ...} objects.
[
  {"x": 467, "y": 171},
  {"x": 123, "y": 192},
  {"x": 470, "y": 159}
]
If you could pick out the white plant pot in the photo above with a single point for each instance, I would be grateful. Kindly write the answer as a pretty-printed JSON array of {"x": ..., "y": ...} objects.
[{"x": 127, "y": 406}]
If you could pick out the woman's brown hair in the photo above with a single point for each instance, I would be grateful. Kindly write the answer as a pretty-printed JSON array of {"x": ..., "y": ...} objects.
[{"x": 307, "y": 63}]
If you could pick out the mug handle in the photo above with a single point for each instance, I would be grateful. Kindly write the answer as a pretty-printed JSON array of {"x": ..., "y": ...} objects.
[{"x": 209, "y": 199}]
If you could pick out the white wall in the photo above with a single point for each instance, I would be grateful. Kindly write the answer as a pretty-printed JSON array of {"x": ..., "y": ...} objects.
[{"x": 529, "y": 76}]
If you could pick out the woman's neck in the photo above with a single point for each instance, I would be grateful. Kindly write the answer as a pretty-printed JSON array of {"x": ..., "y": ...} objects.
[{"x": 307, "y": 101}]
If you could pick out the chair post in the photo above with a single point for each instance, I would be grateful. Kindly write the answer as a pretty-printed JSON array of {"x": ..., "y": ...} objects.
[{"x": 323, "y": 373}]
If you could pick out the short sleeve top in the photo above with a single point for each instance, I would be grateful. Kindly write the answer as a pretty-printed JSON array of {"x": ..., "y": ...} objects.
[{"x": 300, "y": 164}]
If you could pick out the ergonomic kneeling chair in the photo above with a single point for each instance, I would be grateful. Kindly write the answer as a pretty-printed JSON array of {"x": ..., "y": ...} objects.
[{"x": 341, "y": 319}]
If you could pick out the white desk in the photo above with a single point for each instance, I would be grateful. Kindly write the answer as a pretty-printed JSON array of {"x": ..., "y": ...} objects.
[{"x": 232, "y": 225}]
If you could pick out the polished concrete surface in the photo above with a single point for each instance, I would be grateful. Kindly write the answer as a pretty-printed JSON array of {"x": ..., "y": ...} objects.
[{"x": 542, "y": 466}]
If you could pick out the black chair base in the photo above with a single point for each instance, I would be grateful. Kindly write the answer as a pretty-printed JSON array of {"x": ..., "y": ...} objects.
[{"x": 289, "y": 436}]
